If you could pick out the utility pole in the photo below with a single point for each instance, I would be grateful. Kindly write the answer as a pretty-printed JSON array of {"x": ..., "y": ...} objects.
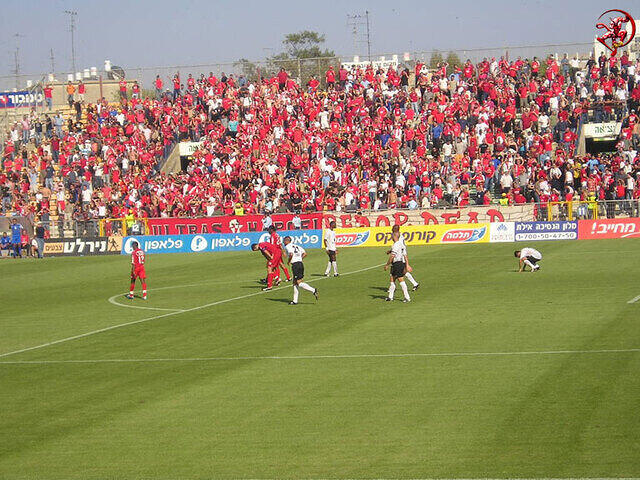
[
  {"x": 72, "y": 19},
  {"x": 366, "y": 14},
  {"x": 16, "y": 58},
  {"x": 53, "y": 65},
  {"x": 356, "y": 22}
]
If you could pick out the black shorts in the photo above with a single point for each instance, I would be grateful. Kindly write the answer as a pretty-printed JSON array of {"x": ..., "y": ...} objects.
[
  {"x": 297, "y": 268},
  {"x": 398, "y": 269},
  {"x": 533, "y": 260},
  {"x": 332, "y": 255}
]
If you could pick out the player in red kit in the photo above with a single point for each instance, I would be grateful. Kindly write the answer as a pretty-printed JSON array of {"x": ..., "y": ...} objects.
[
  {"x": 275, "y": 240},
  {"x": 273, "y": 254},
  {"x": 137, "y": 270}
]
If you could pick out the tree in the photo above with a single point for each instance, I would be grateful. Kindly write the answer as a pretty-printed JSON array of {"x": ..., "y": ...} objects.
[
  {"x": 436, "y": 58},
  {"x": 306, "y": 44},
  {"x": 454, "y": 61},
  {"x": 304, "y": 56}
]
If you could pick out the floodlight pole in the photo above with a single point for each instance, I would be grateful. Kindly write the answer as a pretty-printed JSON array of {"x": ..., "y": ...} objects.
[{"x": 72, "y": 19}]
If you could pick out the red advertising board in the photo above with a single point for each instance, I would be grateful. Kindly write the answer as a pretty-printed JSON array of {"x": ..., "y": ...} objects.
[
  {"x": 609, "y": 228},
  {"x": 432, "y": 216},
  {"x": 229, "y": 224}
]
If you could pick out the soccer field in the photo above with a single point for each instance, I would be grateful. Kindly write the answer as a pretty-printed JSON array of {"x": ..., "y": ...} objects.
[{"x": 486, "y": 373}]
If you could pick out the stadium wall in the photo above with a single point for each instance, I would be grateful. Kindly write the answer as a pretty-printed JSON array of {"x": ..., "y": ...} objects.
[{"x": 415, "y": 235}]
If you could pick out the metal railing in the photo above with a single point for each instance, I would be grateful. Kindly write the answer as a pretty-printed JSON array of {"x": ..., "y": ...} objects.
[{"x": 302, "y": 69}]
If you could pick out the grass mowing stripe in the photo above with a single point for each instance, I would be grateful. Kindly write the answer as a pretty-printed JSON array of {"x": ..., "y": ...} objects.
[
  {"x": 329, "y": 357},
  {"x": 157, "y": 317}
]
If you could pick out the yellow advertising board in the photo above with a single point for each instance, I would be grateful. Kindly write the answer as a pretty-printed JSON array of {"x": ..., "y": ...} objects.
[{"x": 414, "y": 235}]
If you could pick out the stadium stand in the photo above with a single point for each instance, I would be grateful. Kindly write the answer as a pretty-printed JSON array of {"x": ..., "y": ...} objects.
[{"x": 496, "y": 131}]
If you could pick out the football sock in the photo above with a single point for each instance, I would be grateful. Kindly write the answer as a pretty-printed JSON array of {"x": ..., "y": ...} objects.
[
  {"x": 132, "y": 288},
  {"x": 405, "y": 292},
  {"x": 527, "y": 262},
  {"x": 326, "y": 272},
  {"x": 411, "y": 279},
  {"x": 307, "y": 287},
  {"x": 295, "y": 294},
  {"x": 270, "y": 280},
  {"x": 392, "y": 288},
  {"x": 144, "y": 289},
  {"x": 335, "y": 267},
  {"x": 286, "y": 272}
]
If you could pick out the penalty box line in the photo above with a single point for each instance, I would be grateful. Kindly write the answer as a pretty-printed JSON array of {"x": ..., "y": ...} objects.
[
  {"x": 325, "y": 357},
  {"x": 164, "y": 315}
]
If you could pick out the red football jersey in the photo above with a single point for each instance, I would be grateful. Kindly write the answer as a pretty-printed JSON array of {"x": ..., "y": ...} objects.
[
  {"x": 275, "y": 239},
  {"x": 269, "y": 247},
  {"x": 137, "y": 257}
]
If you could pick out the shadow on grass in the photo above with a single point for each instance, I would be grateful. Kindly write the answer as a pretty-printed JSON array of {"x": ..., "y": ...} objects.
[
  {"x": 280, "y": 300},
  {"x": 378, "y": 297}
]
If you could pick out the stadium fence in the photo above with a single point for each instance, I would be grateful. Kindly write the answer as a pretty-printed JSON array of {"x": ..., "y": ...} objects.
[{"x": 301, "y": 69}]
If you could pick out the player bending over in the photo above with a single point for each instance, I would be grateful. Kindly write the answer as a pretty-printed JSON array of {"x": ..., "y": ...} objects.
[
  {"x": 273, "y": 254},
  {"x": 407, "y": 273},
  {"x": 528, "y": 257},
  {"x": 397, "y": 257},
  {"x": 275, "y": 240},
  {"x": 296, "y": 254},
  {"x": 330, "y": 247},
  {"x": 137, "y": 270}
]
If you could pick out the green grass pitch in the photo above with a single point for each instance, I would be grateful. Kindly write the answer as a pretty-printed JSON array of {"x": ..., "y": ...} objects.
[{"x": 487, "y": 373}]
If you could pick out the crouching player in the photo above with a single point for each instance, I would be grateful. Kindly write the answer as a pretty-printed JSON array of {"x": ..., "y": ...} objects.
[
  {"x": 273, "y": 254},
  {"x": 397, "y": 258},
  {"x": 296, "y": 253},
  {"x": 528, "y": 257},
  {"x": 137, "y": 270}
]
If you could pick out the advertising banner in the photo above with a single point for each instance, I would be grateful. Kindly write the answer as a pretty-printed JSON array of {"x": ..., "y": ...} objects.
[
  {"x": 502, "y": 232},
  {"x": 609, "y": 228},
  {"x": 230, "y": 224},
  {"x": 385, "y": 218},
  {"x": 69, "y": 247},
  {"x": 215, "y": 242},
  {"x": 414, "y": 235},
  {"x": 539, "y": 231},
  {"x": 20, "y": 99}
]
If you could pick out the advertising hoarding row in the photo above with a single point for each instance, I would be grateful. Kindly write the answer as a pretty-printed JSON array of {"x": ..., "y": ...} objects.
[{"x": 215, "y": 242}]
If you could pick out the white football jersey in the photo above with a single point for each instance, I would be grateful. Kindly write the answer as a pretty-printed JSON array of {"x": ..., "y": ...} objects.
[
  {"x": 330, "y": 239},
  {"x": 295, "y": 251},
  {"x": 398, "y": 251},
  {"x": 530, "y": 252}
]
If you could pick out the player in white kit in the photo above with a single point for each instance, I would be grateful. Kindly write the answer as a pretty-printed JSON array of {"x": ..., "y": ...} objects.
[
  {"x": 296, "y": 253},
  {"x": 528, "y": 257},
  {"x": 407, "y": 273},
  {"x": 330, "y": 247},
  {"x": 397, "y": 257}
]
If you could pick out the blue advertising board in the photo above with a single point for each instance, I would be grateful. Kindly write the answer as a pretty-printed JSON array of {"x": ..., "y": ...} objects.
[
  {"x": 538, "y": 231},
  {"x": 20, "y": 99},
  {"x": 216, "y": 242}
]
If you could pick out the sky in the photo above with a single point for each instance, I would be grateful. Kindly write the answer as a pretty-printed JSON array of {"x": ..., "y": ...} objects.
[{"x": 149, "y": 33}]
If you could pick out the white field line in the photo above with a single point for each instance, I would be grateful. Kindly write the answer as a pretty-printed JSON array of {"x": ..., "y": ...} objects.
[
  {"x": 112, "y": 300},
  {"x": 634, "y": 300},
  {"x": 328, "y": 357},
  {"x": 169, "y": 314}
]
